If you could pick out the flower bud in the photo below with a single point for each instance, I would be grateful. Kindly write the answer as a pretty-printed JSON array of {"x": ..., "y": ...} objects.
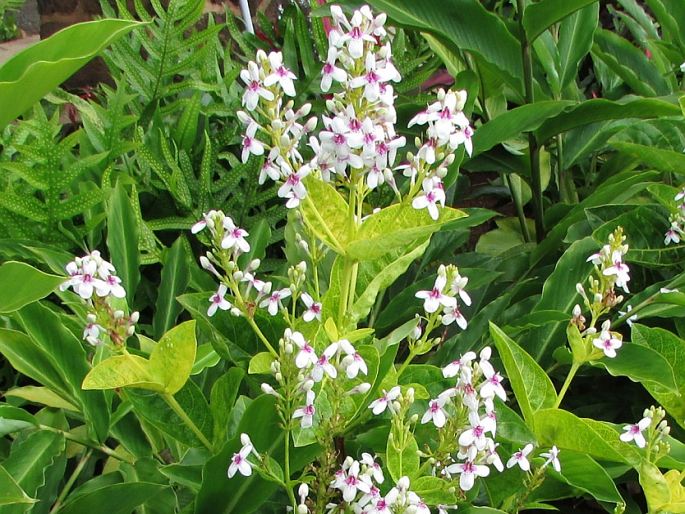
[
  {"x": 302, "y": 509},
  {"x": 236, "y": 312},
  {"x": 238, "y": 275},
  {"x": 414, "y": 418},
  {"x": 135, "y": 316},
  {"x": 288, "y": 348},
  {"x": 118, "y": 314},
  {"x": 91, "y": 318},
  {"x": 245, "y": 439},
  {"x": 130, "y": 330},
  {"x": 279, "y": 377}
]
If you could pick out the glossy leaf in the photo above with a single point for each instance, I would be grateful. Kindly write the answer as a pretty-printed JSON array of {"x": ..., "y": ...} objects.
[
  {"x": 31, "y": 74},
  {"x": 122, "y": 371},
  {"x": 10, "y": 492},
  {"x": 21, "y": 284},
  {"x": 129, "y": 495},
  {"x": 594, "y": 438},
  {"x": 576, "y": 34},
  {"x": 175, "y": 278},
  {"x": 540, "y": 16},
  {"x": 60, "y": 345},
  {"x": 466, "y": 25},
  {"x": 672, "y": 349},
  {"x": 222, "y": 398},
  {"x": 42, "y": 396},
  {"x": 582, "y": 471},
  {"x": 643, "y": 365},
  {"x": 659, "y": 158},
  {"x": 531, "y": 385},
  {"x": 512, "y": 123},
  {"x": 261, "y": 363},
  {"x": 172, "y": 359},
  {"x": 122, "y": 239},
  {"x": 14, "y": 419},
  {"x": 325, "y": 212},
  {"x": 395, "y": 227}
]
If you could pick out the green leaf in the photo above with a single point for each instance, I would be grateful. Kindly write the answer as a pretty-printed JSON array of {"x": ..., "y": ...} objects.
[
  {"x": 27, "y": 358},
  {"x": 434, "y": 491},
  {"x": 172, "y": 359},
  {"x": 538, "y": 17},
  {"x": 10, "y": 492},
  {"x": 122, "y": 239},
  {"x": 152, "y": 407},
  {"x": 656, "y": 158},
  {"x": 31, "y": 74},
  {"x": 22, "y": 284},
  {"x": 402, "y": 458},
  {"x": 60, "y": 345},
  {"x": 222, "y": 398},
  {"x": 582, "y": 471},
  {"x": 260, "y": 235},
  {"x": 594, "y": 438},
  {"x": 325, "y": 212},
  {"x": 378, "y": 275},
  {"x": 14, "y": 419},
  {"x": 531, "y": 385},
  {"x": 576, "y": 34},
  {"x": 175, "y": 278},
  {"x": 42, "y": 396},
  {"x": 128, "y": 495},
  {"x": 260, "y": 364},
  {"x": 122, "y": 371},
  {"x": 467, "y": 26},
  {"x": 205, "y": 357},
  {"x": 222, "y": 495},
  {"x": 394, "y": 227},
  {"x": 672, "y": 349},
  {"x": 641, "y": 364},
  {"x": 29, "y": 461},
  {"x": 512, "y": 123}
]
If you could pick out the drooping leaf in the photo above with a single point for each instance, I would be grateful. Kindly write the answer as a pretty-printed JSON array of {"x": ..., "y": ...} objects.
[
  {"x": 34, "y": 72},
  {"x": 580, "y": 470},
  {"x": 22, "y": 284},
  {"x": 540, "y": 16}
]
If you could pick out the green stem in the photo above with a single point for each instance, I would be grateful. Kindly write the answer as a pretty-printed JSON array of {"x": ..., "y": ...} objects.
[
  {"x": 70, "y": 482},
  {"x": 261, "y": 336},
  {"x": 176, "y": 407},
  {"x": 83, "y": 442},
  {"x": 288, "y": 487},
  {"x": 533, "y": 148},
  {"x": 569, "y": 378},
  {"x": 519, "y": 209}
]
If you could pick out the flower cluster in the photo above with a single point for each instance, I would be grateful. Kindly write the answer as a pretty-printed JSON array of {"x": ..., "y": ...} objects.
[
  {"x": 94, "y": 279},
  {"x": 91, "y": 274},
  {"x": 610, "y": 271},
  {"x": 357, "y": 146},
  {"x": 359, "y": 481},
  {"x": 442, "y": 299},
  {"x": 676, "y": 231},
  {"x": 339, "y": 357}
]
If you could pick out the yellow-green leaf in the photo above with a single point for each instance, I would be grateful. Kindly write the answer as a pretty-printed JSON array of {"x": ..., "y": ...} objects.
[
  {"x": 122, "y": 371},
  {"x": 172, "y": 359}
]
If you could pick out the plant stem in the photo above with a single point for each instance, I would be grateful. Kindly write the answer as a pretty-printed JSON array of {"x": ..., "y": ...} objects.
[
  {"x": 83, "y": 442},
  {"x": 572, "y": 373},
  {"x": 533, "y": 148},
  {"x": 176, "y": 407},
  {"x": 70, "y": 482},
  {"x": 261, "y": 336},
  {"x": 519, "y": 209},
  {"x": 288, "y": 487}
]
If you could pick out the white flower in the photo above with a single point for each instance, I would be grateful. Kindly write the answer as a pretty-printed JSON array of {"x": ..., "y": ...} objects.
[
  {"x": 280, "y": 74},
  {"x": 434, "y": 298},
  {"x": 476, "y": 434},
  {"x": 313, "y": 308},
  {"x": 435, "y": 413},
  {"x": 607, "y": 342},
  {"x": 552, "y": 458},
  {"x": 353, "y": 361},
  {"x": 251, "y": 145},
  {"x": 306, "y": 355},
  {"x": 620, "y": 269},
  {"x": 433, "y": 194},
  {"x": 451, "y": 314},
  {"x": 521, "y": 458},
  {"x": 457, "y": 287},
  {"x": 469, "y": 471},
  {"x": 459, "y": 366},
  {"x": 376, "y": 470},
  {"x": 240, "y": 463},
  {"x": 254, "y": 89},
  {"x": 217, "y": 301},
  {"x": 634, "y": 432},
  {"x": 330, "y": 71},
  {"x": 306, "y": 412},
  {"x": 492, "y": 457},
  {"x": 630, "y": 319},
  {"x": 111, "y": 286},
  {"x": 274, "y": 302},
  {"x": 378, "y": 406},
  {"x": 323, "y": 364},
  {"x": 493, "y": 384},
  {"x": 234, "y": 237},
  {"x": 352, "y": 483},
  {"x": 293, "y": 188}
]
